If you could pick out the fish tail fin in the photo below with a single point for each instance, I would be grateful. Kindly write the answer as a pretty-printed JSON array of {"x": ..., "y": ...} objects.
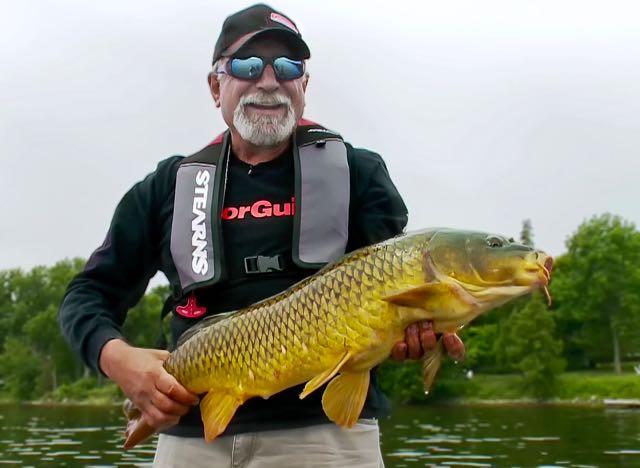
[
  {"x": 431, "y": 364},
  {"x": 137, "y": 428}
]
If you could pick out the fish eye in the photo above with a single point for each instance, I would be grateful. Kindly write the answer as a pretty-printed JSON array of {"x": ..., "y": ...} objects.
[
  {"x": 512, "y": 240},
  {"x": 494, "y": 242}
]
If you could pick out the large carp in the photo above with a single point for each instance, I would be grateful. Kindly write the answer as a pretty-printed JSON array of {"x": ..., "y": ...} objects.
[{"x": 336, "y": 325}]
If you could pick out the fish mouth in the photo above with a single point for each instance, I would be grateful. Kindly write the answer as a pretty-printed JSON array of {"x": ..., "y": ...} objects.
[
  {"x": 534, "y": 273},
  {"x": 542, "y": 269}
]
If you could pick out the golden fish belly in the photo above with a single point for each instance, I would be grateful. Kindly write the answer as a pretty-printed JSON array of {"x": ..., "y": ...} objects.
[{"x": 265, "y": 352}]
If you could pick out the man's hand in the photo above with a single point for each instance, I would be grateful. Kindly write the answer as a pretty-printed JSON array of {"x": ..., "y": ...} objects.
[
  {"x": 140, "y": 375},
  {"x": 420, "y": 338}
]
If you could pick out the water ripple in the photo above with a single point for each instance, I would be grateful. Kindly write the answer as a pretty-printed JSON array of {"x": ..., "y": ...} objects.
[
  {"x": 623, "y": 452},
  {"x": 413, "y": 437}
]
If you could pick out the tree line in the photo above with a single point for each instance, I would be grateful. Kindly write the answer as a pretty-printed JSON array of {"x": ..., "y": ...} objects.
[{"x": 594, "y": 319}]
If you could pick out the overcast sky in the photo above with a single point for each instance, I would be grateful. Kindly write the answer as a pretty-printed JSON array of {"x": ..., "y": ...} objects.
[{"x": 487, "y": 112}]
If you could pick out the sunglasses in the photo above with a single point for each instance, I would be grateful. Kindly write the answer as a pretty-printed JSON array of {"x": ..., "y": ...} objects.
[{"x": 251, "y": 68}]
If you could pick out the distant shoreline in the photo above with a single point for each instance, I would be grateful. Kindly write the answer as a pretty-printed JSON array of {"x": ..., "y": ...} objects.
[
  {"x": 597, "y": 403},
  {"x": 571, "y": 389}
]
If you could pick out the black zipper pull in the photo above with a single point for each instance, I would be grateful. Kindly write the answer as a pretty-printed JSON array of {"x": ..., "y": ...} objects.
[{"x": 250, "y": 169}]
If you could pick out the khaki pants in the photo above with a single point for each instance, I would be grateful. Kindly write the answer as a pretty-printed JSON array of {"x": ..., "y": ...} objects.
[{"x": 324, "y": 445}]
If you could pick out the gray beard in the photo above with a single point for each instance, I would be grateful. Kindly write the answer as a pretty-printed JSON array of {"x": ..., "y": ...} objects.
[{"x": 264, "y": 130}]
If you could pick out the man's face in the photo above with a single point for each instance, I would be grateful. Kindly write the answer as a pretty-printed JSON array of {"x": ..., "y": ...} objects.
[{"x": 262, "y": 112}]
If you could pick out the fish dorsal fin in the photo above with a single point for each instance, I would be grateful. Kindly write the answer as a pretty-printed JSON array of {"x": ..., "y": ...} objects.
[
  {"x": 344, "y": 397},
  {"x": 323, "y": 377},
  {"x": 201, "y": 325},
  {"x": 217, "y": 409}
]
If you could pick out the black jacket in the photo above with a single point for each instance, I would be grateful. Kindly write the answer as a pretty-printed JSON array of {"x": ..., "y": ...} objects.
[{"x": 137, "y": 245}]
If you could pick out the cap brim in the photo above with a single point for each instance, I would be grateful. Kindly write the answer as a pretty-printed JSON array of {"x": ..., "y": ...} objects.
[{"x": 289, "y": 37}]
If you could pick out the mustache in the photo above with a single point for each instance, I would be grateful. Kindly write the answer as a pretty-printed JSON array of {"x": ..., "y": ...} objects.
[{"x": 265, "y": 99}]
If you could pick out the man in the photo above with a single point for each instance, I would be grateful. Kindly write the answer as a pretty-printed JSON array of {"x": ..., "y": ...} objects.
[{"x": 265, "y": 205}]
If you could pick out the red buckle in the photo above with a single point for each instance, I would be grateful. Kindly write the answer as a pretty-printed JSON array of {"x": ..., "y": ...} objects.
[{"x": 191, "y": 309}]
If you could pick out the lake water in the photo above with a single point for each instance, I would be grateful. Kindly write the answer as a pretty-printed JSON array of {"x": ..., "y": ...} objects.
[{"x": 414, "y": 436}]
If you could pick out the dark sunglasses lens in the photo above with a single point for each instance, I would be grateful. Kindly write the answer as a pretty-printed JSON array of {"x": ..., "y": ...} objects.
[
  {"x": 246, "y": 68},
  {"x": 287, "y": 69}
]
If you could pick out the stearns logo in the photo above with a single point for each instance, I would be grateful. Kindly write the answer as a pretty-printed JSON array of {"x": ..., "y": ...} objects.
[
  {"x": 199, "y": 263},
  {"x": 260, "y": 209}
]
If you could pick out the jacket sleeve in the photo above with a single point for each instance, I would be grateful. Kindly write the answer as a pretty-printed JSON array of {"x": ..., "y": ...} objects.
[
  {"x": 116, "y": 275},
  {"x": 377, "y": 210}
]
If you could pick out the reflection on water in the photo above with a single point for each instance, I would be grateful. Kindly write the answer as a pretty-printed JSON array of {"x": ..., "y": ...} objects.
[
  {"x": 511, "y": 436},
  {"x": 63, "y": 436},
  {"x": 413, "y": 437}
]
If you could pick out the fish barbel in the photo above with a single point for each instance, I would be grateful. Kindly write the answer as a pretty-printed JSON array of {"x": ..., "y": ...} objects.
[{"x": 335, "y": 326}]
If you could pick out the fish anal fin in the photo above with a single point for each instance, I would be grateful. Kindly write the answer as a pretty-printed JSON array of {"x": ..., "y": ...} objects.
[
  {"x": 344, "y": 397},
  {"x": 217, "y": 409},
  {"x": 431, "y": 364},
  {"x": 325, "y": 376}
]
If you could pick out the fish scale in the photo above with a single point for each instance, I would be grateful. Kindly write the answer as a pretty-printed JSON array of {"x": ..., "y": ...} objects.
[{"x": 333, "y": 327}]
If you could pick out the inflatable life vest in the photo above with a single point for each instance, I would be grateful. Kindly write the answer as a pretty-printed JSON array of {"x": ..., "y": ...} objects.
[{"x": 321, "y": 218}]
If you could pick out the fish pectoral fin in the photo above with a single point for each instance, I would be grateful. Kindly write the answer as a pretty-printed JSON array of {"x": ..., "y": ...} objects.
[
  {"x": 325, "y": 376},
  {"x": 344, "y": 397},
  {"x": 429, "y": 295},
  {"x": 417, "y": 297},
  {"x": 217, "y": 409},
  {"x": 431, "y": 364}
]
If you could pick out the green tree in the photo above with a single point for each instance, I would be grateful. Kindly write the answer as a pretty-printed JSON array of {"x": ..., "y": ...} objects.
[
  {"x": 20, "y": 369},
  {"x": 142, "y": 326},
  {"x": 578, "y": 346},
  {"x": 484, "y": 337},
  {"x": 34, "y": 357},
  {"x": 24, "y": 294},
  {"x": 531, "y": 348},
  {"x": 29, "y": 332},
  {"x": 597, "y": 284},
  {"x": 7, "y": 300},
  {"x": 526, "y": 234},
  {"x": 46, "y": 341},
  {"x": 480, "y": 343}
]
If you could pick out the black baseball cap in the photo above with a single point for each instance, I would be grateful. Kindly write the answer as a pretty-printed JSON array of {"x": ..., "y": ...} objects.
[{"x": 259, "y": 19}]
